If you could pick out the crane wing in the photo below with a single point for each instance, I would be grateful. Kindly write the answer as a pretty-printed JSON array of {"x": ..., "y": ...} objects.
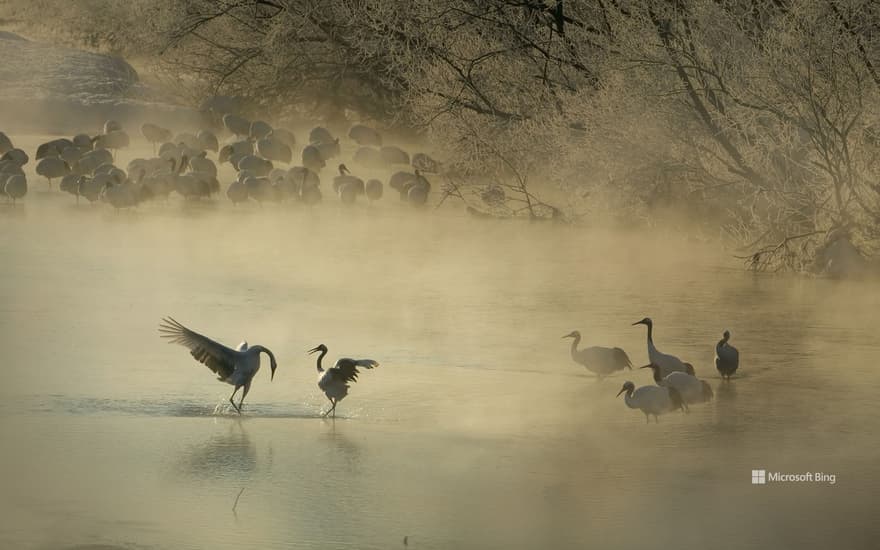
[
  {"x": 733, "y": 354},
  {"x": 727, "y": 353},
  {"x": 345, "y": 369},
  {"x": 622, "y": 358},
  {"x": 214, "y": 355},
  {"x": 607, "y": 359}
]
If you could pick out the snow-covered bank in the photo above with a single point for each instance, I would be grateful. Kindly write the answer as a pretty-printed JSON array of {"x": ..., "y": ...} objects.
[{"x": 52, "y": 89}]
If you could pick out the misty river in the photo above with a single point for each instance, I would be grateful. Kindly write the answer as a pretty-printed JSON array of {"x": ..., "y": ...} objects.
[{"x": 477, "y": 430}]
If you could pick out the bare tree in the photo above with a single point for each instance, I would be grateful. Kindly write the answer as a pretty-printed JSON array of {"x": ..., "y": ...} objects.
[{"x": 755, "y": 119}]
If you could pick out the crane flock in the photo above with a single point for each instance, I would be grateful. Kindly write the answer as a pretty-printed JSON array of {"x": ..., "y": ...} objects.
[
  {"x": 676, "y": 390},
  {"x": 187, "y": 164},
  {"x": 262, "y": 157},
  {"x": 676, "y": 383}
]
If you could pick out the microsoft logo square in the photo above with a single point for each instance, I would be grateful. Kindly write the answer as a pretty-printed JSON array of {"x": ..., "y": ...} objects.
[{"x": 759, "y": 477}]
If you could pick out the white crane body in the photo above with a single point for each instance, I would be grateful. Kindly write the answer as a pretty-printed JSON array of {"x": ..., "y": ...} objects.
[
  {"x": 651, "y": 400},
  {"x": 692, "y": 389}
]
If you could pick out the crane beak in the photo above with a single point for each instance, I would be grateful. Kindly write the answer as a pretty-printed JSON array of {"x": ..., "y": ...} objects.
[
  {"x": 313, "y": 350},
  {"x": 272, "y": 376},
  {"x": 620, "y": 392},
  {"x": 638, "y": 323},
  {"x": 569, "y": 335},
  {"x": 647, "y": 367}
]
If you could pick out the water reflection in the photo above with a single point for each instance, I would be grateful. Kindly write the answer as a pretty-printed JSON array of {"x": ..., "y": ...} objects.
[
  {"x": 726, "y": 407},
  {"x": 725, "y": 391},
  {"x": 17, "y": 211},
  {"x": 340, "y": 448},
  {"x": 226, "y": 455}
]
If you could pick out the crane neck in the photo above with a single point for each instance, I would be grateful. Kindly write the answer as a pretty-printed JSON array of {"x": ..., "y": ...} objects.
[
  {"x": 320, "y": 357},
  {"x": 628, "y": 399},
  {"x": 574, "y": 344},
  {"x": 650, "y": 333},
  {"x": 260, "y": 349}
]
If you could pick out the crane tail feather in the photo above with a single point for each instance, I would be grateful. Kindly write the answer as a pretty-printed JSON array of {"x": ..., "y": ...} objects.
[
  {"x": 623, "y": 358},
  {"x": 675, "y": 397}
]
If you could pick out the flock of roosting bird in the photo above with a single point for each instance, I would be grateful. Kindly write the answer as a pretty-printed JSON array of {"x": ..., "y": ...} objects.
[
  {"x": 677, "y": 386},
  {"x": 84, "y": 164}
]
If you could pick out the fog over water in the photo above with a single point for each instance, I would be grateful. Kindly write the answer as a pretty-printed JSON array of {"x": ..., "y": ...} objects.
[{"x": 476, "y": 431}]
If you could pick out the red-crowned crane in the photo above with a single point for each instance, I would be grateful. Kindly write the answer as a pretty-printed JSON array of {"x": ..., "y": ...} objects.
[
  {"x": 651, "y": 400},
  {"x": 597, "y": 359},
  {"x": 692, "y": 389},
  {"x": 334, "y": 381},
  {"x": 236, "y": 367},
  {"x": 667, "y": 363},
  {"x": 726, "y": 357}
]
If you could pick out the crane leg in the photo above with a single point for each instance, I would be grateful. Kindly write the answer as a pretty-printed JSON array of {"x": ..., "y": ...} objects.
[
  {"x": 247, "y": 388},
  {"x": 232, "y": 400},
  {"x": 324, "y": 414}
]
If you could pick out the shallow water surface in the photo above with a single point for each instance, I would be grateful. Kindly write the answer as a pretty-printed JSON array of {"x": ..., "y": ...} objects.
[{"x": 477, "y": 430}]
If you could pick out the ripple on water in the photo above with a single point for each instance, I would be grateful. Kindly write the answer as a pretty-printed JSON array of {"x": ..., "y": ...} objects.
[{"x": 178, "y": 408}]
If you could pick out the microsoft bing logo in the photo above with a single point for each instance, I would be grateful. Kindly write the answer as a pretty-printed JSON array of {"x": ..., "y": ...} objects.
[{"x": 763, "y": 477}]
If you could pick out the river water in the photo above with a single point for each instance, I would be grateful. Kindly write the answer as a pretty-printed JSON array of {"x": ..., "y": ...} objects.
[{"x": 476, "y": 431}]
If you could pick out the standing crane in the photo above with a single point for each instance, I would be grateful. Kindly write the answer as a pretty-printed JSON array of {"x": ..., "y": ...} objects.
[
  {"x": 692, "y": 389},
  {"x": 726, "y": 357},
  {"x": 651, "y": 400},
  {"x": 334, "y": 381},
  {"x": 236, "y": 367},
  {"x": 597, "y": 359},
  {"x": 348, "y": 187},
  {"x": 667, "y": 363}
]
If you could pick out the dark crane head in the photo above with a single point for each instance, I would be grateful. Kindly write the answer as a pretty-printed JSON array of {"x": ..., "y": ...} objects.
[
  {"x": 628, "y": 387},
  {"x": 573, "y": 334},
  {"x": 272, "y": 363},
  {"x": 322, "y": 348},
  {"x": 646, "y": 321}
]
